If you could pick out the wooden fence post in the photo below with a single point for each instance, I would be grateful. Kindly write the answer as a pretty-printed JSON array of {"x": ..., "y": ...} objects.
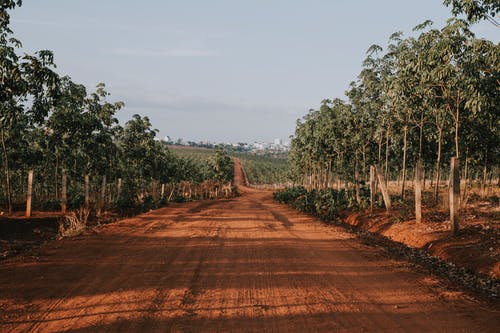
[
  {"x": 162, "y": 190},
  {"x": 418, "y": 192},
  {"x": 86, "y": 191},
  {"x": 454, "y": 194},
  {"x": 383, "y": 188},
  {"x": 372, "y": 187},
  {"x": 63, "y": 194},
  {"x": 30, "y": 193}
]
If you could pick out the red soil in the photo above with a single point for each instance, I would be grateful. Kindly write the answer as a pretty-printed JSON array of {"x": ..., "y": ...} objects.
[
  {"x": 475, "y": 247},
  {"x": 244, "y": 264}
]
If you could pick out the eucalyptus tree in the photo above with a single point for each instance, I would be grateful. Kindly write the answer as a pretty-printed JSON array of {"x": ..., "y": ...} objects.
[
  {"x": 141, "y": 155},
  {"x": 475, "y": 10},
  {"x": 303, "y": 147},
  {"x": 370, "y": 79},
  {"x": 64, "y": 129},
  {"x": 364, "y": 120},
  {"x": 100, "y": 146},
  {"x": 222, "y": 165},
  {"x": 480, "y": 126},
  {"x": 407, "y": 95},
  {"x": 28, "y": 87}
]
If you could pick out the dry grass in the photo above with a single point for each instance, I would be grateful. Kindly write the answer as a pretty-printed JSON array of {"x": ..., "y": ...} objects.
[{"x": 74, "y": 223}]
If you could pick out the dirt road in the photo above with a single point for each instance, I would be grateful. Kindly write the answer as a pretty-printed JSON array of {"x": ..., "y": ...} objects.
[{"x": 244, "y": 264}]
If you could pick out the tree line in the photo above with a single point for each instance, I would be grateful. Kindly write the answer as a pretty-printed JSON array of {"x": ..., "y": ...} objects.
[
  {"x": 426, "y": 97},
  {"x": 56, "y": 127}
]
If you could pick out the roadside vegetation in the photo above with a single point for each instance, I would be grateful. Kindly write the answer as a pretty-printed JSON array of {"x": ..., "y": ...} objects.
[
  {"x": 424, "y": 100},
  {"x": 265, "y": 170},
  {"x": 272, "y": 169},
  {"x": 80, "y": 155}
]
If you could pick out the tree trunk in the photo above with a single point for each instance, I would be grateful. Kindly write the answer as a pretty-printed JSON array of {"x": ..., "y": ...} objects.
[
  {"x": 372, "y": 188},
  {"x": 386, "y": 171},
  {"x": 457, "y": 123},
  {"x": 356, "y": 175},
  {"x": 421, "y": 135},
  {"x": 405, "y": 129},
  {"x": 56, "y": 191},
  {"x": 103, "y": 193},
  {"x": 29, "y": 195},
  {"x": 7, "y": 172},
  {"x": 418, "y": 192},
  {"x": 485, "y": 174},
  {"x": 466, "y": 177},
  {"x": 454, "y": 194},
  {"x": 383, "y": 188},
  {"x": 438, "y": 165},
  {"x": 364, "y": 163},
  {"x": 86, "y": 191},
  {"x": 63, "y": 193},
  {"x": 379, "y": 149},
  {"x": 329, "y": 172}
]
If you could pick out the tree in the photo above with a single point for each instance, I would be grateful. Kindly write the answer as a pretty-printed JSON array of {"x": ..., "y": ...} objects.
[
  {"x": 222, "y": 165},
  {"x": 28, "y": 87},
  {"x": 475, "y": 10}
]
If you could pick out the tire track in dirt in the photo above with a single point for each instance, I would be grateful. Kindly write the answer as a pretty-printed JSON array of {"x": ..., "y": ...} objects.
[{"x": 243, "y": 264}]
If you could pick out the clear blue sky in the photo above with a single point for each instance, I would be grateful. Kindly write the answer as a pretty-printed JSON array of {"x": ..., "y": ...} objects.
[{"x": 219, "y": 70}]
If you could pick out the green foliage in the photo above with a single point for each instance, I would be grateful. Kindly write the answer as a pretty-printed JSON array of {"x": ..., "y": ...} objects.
[
  {"x": 260, "y": 169},
  {"x": 325, "y": 204},
  {"x": 427, "y": 98},
  {"x": 264, "y": 169},
  {"x": 289, "y": 194},
  {"x": 54, "y": 126},
  {"x": 222, "y": 165},
  {"x": 475, "y": 10}
]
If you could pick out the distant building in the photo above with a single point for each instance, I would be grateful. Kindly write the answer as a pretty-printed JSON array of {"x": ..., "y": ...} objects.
[{"x": 278, "y": 142}]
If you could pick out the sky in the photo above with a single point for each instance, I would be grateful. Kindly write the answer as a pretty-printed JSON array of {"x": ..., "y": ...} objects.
[{"x": 219, "y": 70}]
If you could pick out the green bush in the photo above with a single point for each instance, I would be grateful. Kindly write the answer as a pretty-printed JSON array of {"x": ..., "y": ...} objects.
[
  {"x": 289, "y": 194},
  {"x": 50, "y": 205},
  {"x": 324, "y": 204},
  {"x": 147, "y": 204},
  {"x": 75, "y": 201}
]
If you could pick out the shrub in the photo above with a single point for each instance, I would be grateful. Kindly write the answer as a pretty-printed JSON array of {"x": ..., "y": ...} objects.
[
  {"x": 326, "y": 203},
  {"x": 289, "y": 194},
  {"x": 147, "y": 203},
  {"x": 74, "y": 223},
  {"x": 52, "y": 204}
]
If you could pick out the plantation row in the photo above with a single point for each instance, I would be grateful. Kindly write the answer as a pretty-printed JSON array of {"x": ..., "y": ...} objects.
[
  {"x": 262, "y": 170},
  {"x": 53, "y": 126},
  {"x": 259, "y": 170},
  {"x": 428, "y": 97}
]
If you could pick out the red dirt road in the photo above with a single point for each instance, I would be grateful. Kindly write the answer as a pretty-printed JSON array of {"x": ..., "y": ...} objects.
[{"x": 237, "y": 265}]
